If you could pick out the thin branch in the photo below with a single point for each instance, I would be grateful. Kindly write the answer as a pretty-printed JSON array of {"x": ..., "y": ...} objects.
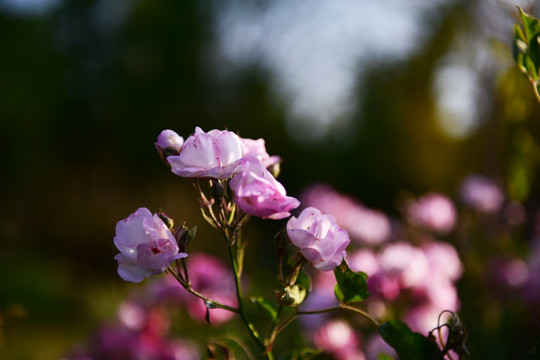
[{"x": 208, "y": 300}]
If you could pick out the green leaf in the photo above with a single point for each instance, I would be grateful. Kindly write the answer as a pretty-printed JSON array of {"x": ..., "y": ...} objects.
[
  {"x": 304, "y": 354},
  {"x": 351, "y": 286},
  {"x": 526, "y": 49},
  {"x": 520, "y": 48},
  {"x": 532, "y": 26},
  {"x": 409, "y": 345},
  {"x": 532, "y": 68},
  {"x": 266, "y": 305}
]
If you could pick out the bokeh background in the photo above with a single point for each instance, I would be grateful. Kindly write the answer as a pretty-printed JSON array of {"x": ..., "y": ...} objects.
[{"x": 381, "y": 99}]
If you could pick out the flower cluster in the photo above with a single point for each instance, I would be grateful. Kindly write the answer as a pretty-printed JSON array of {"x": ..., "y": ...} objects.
[
  {"x": 148, "y": 247},
  {"x": 235, "y": 178}
]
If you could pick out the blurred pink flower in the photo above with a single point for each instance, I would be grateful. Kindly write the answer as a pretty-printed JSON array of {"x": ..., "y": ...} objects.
[
  {"x": 258, "y": 193},
  {"x": 210, "y": 277},
  {"x": 363, "y": 260},
  {"x": 146, "y": 246},
  {"x": 141, "y": 332},
  {"x": 433, "y": 212},
  {"x": 481, "y": 194},
  {"x": 337, "y": 338},
  {"x": 406, "y": 262},
  {"x": 258, "y": 148},
  {"x": 412, "y": 276},
  {"x": 319, "y": 238},
  {"x": 423, "y": 318},
  {"x": 215, "y": 154},
  {"x": 443, "y": 257},
  {"x": 362, "y": 224}
]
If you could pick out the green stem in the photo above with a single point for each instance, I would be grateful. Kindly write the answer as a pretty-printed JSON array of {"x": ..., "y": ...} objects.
[
  {"x": 361, "y": 312},
  {"x": 187, "y": 286},
  {"x": 274, "y": 330},
  {"x": 251, "y": 329},
  {"x": 535, "y": 88},
  {"x": 335, "y": 308}
]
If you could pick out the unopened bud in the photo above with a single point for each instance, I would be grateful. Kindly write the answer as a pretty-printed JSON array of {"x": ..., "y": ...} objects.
[
  {"x": 292, "y": 295},
  {"x": 281, "y": 240},
  {"x": 166, "y": 219},
  {"x": 218, "y": 190},
  {"x": 184, "y": 236},
  {"x": 168, "y": 144}
]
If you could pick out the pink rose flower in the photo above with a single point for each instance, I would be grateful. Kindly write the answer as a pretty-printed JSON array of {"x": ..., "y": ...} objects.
[
  {"x": 365, "y": 225},
  {"x": 319, "y": 238},
  {"x": 257, "y": 147},
  {"x": 215, "y": 154},
  {"x": 146, "y": 246},
  {"x": 258, "y": 193}
]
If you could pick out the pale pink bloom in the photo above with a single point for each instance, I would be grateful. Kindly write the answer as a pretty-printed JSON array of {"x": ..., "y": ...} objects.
[
  {"x": 443, "y": 257},
  {"x": 169, "y": 140},
  {"x": 319, "y": 238},
  {"x": 439, "y": 292},
  {"x": 258, "y": 193},
  {"x": 215, "y": 154},
  {"x": 324, "y": 281},
  {"x": 337, "y": 338},
  {"x": 481, "y": 194},
  {"x": 211, "y": 278},
  {"x": 146, "y": 246},
  {"x": 367, "y": 225},
  {"x": 385, "y": 285},
  {"x": 363, "y": 260},
  {"x": 132, "y": 315},
  {"x": 407, "y": 263},
  {"x": 363, "y": 224},
  {"x": 432, "y": 211},
  {"x": 258, "y": 148}
]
